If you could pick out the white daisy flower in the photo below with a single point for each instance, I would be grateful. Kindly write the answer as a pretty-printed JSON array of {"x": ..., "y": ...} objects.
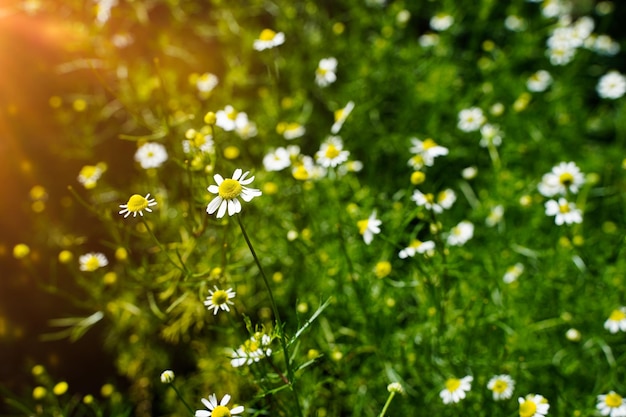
[
  {"x": 533, "y": 406},
  {"x": 340, "y": 117},
  {"x": 564, "y": 177},
  {"x": 428, "y": 40},
  {"x": 219, "y": 300},
  {"x": 244, "y": 127},
  {"x": 215, "y": 409},
  {"x": 137, "y": 204},
  {"x": 501, "y": 386},
  {"x": 460, "y": 233},
  {"x": 369, "y": 227},
  {"x": 268, "y": 39},
  {"x": 92, "y": 261},
  {"x": 167, "y": 376},
  {"x": 539, "y": 81},
  {"x": 564, "y": 211},
  {"x": 611, "y": 85},
  {"x": 306, "y": 168},
  {"x": 455, "y": 389},
  {"x": 513, "y": 273},
  {"x": 277, "y": 160},
  {"x": 253, "y": 350},
  {"x": 417, "y": 246},
  {"x": 490, "y": 135},
  {"x": 495, "y": 216},
  {"x": 325, "y": 72},
  {"x": 471, "y": 119},
  {"x": 89, "y": 175},
  {"x": 151, "y": 155},
  {"x": 616, "y": 321},
  {"x": 227, "y": 118},
  {"x": 427, "y": 150},
  {"x": 291, "y": 130},
  {"x": 331, "y": 153},
  {"x": 201, "y": 141},
  {"x": 441, "y": 22},
  {"x": 228, "y": 192},
  {"x": 611, "y": 404},
  {"x": 206, "y": 82}
]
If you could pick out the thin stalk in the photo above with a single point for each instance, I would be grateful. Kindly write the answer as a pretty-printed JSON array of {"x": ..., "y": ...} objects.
[
  {"x": 182, "y": 399},
  {"x": 279, "y": 322},
  {"x": 181, "y": 268},
  {"x": 386, "y": 406}
]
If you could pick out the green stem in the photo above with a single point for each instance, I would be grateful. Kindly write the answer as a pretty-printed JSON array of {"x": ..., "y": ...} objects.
[
  {"x": 386, "y": 406},
  {"x": 182, "y": 399},
  {"x": 279, "y": 322},
  {"x": 183, "y": 268}
]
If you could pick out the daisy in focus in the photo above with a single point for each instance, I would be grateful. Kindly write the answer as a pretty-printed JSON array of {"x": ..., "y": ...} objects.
[
  {"x": 611, "y": 404},
  {"x": 325, "y": 72},
  {"x": 533, "y": 406},
  {"x": 455, "y": 389},
  {"x": 151, "y": 155},
  {"x": 611, "y": 85},
  {"x": 564, "y": 212},
  {"x": 417, "y": 246},
  {"x": 616, "y": 321},
  {"x": 253, "y": 350},
  {"x": 501, "y": 386},
  {"x": 427, "y": 151},
  {"x": 369, "y": 227},
  {"x": 564, "y": 177},
  {"x": 471, "y": 119},
  {"x": 137, "y": 204},
  {"x": 215, "y": 409},
  {"x": 219, "y": 300},
  {"x": 91, "y": 261},
  {"x": 228, "y": 192},
  {"x": 460, "y": 233},
  {"x": 331, "y": 153},
  {"x": 268, "y": 39},
  {"x": 340, "y": 117}
]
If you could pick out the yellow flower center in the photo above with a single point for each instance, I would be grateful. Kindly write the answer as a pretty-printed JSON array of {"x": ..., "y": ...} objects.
[
  {"x": 88, "y": 171},
  {"x": 198, "y": 140},
  {"x": 251, "y": 345},
  {"x": 383, "y": 268},
  {"x": 566, "y": 179},
  {"x": 321, "y": 71},
  {"x": 339, "y": 114},
  {"x": 332, "y": 152},
  {"x": 617, "y": 315},
  {"x": 267, "y": 35},
  {"x": 500, "y": 386},
  {"x": 428, "y": 144},
  {"x": 430, "y": 199},
  {"x": 453, "y": 384},
  {"x": 613, "y": 400},
  {"x": 232, "y": 115},
  {"x": 527, "y": 409},
  {"x": 137, "y": 203},
  {"x": 229, "y": 189},
  {"x": 362, "y": 224},
  {"x": 220, "y": 411},
  {"x": 219, "y": 297},
  {"x": 564, "y": 208},
  {"x": 92, "y": 263},
  {"x": 415, "y": 244}
]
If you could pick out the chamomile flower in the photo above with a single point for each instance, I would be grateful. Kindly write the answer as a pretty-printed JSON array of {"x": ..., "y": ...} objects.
[
  {"x": 268, "y": 39},
  {"x": 137, "y": 204},
  {"x": 441, "y": 22},
  {"x": 611, "y": 85},
  {"x": 91, "y": 261},
  {"x": 219, "y": 300},
  {"x": 460, "y": 233},
  {"x": 167, "y": 376},
  {"x": 501, "y": 386},
  {"x": 201, "y": 141},
  {"x": 616, "y": 321},
  {"x": 331, "y": 153},
  {"x": 206, "y": 82},
  {"x": 455, "y": 389},
  {"x": 253, "y": 350},
  {"x": 490, "y": 135},
  {"x": 611, "y": 404},
  {"x": 90, "y": 174},
  {"x": 533, "y": 405},
  {"x": 495, "y": 216},
  {"x": 564, "y": 212},
  {"x": 228, "y": 192},
  {"x": 564, "y": 177},
  {"x": 471, "y": 119},
  {"x": 277, "y": 160},
  {"x": 245, "y": 128},
  {"x": 369, "y": 227},
  {"x": 444, "y": 200},
  {"x": 305, "y": 168},
  {"x": 340, "y": 117},
  {"x": 215, "y": 409},
  {"x": 539, "y": 81},
  {"x": 417, "y": 246},
  {"x": 513, "y": 273},
  {"x": 291, "y": 130},
  {"x": 325, "y": 72},
  {"x": 151, "y": 155},
  {"x": 427, "y": 150},
  {"x": 226, "y": 118}
]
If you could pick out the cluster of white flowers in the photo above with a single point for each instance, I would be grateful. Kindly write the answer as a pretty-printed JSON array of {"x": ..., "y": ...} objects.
[
  {"x": 253, "y": 350},
  {"x": 564, "y": 179},
  {"x": 230, "y": 120}
]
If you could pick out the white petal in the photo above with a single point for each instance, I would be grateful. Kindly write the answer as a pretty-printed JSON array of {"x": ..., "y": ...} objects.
[
  {"x": 203, "y": 413},
  {"x": 214, "y": 189},
  {"x": 232, "y": 206},
  {"x": 222, "y": 209},
  {"x": 218, "y": 179},
  {"x": 237, "y": 410},
  {"x": 237, "y": 173},
  {"x": 225, "y": 400},
  {"x": 214, "y": 204}
]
